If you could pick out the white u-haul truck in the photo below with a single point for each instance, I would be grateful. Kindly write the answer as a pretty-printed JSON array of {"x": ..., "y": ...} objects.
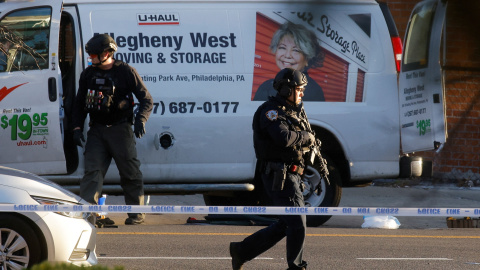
[{"x": 203, "y": 62}]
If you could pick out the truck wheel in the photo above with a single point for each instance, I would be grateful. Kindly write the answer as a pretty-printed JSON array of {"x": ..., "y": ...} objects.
[
  {"x": 19, "y": 245},
  {"x": 238, "y": 198},
  {"x": 328, "y": 195},
  {"x": 212, "y": 200}
]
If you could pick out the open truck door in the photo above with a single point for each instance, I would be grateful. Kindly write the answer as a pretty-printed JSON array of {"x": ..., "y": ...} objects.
[
  {"x": 31, "y": 113},
  {"x": 421, "y": 89}
]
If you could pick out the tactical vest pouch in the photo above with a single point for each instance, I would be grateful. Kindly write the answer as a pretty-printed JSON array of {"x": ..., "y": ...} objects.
[
  {"x": 107, "y": 103},
  {"x": 125, "y": 103},
  {"x": 100, "y": 97},
  {"x": 93, "y": 100}
]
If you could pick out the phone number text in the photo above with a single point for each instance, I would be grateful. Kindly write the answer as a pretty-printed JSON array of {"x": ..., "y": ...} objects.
[{"x": 191, "y": 107}]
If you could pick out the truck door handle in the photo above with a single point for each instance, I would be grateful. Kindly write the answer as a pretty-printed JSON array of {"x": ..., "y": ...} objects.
[{"x": 52, "y": 89}]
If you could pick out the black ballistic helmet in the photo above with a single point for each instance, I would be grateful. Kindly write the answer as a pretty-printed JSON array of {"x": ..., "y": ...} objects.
[
  {"x": 287, "y": 79},
  {"x": 100, "y": 43}
]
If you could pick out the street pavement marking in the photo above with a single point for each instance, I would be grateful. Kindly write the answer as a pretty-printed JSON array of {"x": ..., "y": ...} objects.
[
  {"x": 408, "y": 259},
  {"x": 175, "y": 258},
  {"x": 171, "y": 233},
  {"x": 311, "y": 235},
  {"x": 399, "y": 236}
]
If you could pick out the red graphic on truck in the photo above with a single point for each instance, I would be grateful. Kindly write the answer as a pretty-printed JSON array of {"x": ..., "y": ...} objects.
[{"x": 5, "y": 91}]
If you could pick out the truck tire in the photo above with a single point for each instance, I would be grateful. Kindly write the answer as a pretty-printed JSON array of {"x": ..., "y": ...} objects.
[
  {"x": 329, "y": 195},
  {"x": 237, "y": 198},
  {"x": 19, "y": 242}
]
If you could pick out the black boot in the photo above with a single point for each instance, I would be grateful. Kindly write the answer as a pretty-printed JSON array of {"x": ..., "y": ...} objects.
[{"x": 237, "y": 261}]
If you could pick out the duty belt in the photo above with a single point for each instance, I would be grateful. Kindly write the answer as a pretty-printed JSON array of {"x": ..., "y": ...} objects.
[
  {"x": 273, "y": 166},
  {"x": 295, "y": 169},
  {"x": 121, "y": 121}
]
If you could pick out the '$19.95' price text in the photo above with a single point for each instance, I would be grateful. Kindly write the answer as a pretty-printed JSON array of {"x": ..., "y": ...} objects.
[{"x": 22, "y": 125}]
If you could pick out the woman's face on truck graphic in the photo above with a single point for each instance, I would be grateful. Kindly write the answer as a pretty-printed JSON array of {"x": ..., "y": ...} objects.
[{"x": 289, "y": 55}]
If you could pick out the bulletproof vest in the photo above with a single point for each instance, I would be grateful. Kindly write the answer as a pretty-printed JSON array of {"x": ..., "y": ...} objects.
[
  {"x": 100, "y": 94},
  {"x": 266, "y": 149},
  {"x": 296, "y": 121}
]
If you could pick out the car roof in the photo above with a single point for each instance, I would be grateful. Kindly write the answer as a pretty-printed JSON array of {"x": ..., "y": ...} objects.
[{"x": 224, "y": 1}]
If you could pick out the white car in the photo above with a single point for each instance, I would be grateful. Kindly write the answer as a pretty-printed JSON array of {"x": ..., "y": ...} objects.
[{"x": 27, "y": 238}]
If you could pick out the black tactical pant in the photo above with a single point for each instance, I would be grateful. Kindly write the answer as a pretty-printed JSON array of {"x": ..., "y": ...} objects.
[
  {"x": 103, "y": 144},
  {"x": 291, "y": 226}
]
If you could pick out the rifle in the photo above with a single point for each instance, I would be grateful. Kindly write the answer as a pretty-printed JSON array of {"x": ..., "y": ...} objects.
[{"x": 314, "y": 151}]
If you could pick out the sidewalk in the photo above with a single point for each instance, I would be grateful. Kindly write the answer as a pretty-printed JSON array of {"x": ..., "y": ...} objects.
[{"x": 422, "y": 195}]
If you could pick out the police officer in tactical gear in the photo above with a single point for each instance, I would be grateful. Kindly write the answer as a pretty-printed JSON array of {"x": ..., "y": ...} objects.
[
  {"x": 280, "y": 141},
  {"x": 106, "y": 93}
]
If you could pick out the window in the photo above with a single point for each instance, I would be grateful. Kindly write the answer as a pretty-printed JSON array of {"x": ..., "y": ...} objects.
[
  {"x": 364, "y": 21},
  {"x": 24, "y": 38},
  {"x": 417, "y": 42}
]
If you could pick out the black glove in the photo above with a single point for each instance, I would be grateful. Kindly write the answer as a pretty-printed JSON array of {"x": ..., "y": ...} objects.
[
  {"x": 78, "y": 137},
  {"x": 139, "y": 129},
  {"x": 308, "y": 138}
]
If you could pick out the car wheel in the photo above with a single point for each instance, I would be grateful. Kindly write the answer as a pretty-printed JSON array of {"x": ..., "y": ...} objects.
[
  {"x": 327, "y": 195},
  {"x": 19, "y": 245}
]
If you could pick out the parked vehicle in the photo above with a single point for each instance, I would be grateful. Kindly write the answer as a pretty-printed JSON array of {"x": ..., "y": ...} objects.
[
  {"x": 28, "y": 238},
  {"x": 203, "y": 62}
]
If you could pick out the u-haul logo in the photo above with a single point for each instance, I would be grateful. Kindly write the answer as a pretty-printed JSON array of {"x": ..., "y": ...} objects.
[
  {"x": 5, "y": 91},
  {"x": 158, "y": 19}
]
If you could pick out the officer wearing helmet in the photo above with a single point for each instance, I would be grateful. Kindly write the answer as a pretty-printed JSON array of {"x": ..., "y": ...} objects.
[
  {"x": 280, "y": 140},
  {"x": 106, "y": 94}
]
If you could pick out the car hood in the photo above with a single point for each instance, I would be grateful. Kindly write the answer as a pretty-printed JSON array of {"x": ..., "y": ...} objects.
[{"x": 36, "y": 185}]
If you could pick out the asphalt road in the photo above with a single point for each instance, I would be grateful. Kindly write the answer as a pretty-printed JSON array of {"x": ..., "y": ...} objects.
[{"x": 168, "y": 242}]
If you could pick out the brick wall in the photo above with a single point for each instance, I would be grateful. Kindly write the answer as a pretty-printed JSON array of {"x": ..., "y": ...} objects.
[{"x": 459, "y": 160}]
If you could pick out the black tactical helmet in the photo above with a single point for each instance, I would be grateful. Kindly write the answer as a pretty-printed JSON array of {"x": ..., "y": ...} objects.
[
  {"x": 287, "y": 79},
  {"x": 100, "y": 43}
]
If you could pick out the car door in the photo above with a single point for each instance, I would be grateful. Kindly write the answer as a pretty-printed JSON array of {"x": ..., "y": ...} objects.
[
  {"x": 31, "y": 135},
  {"x": 421, "y": 87}
]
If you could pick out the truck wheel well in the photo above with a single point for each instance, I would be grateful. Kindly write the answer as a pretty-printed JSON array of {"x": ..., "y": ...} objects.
[{"x": 332, "y": 147}]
